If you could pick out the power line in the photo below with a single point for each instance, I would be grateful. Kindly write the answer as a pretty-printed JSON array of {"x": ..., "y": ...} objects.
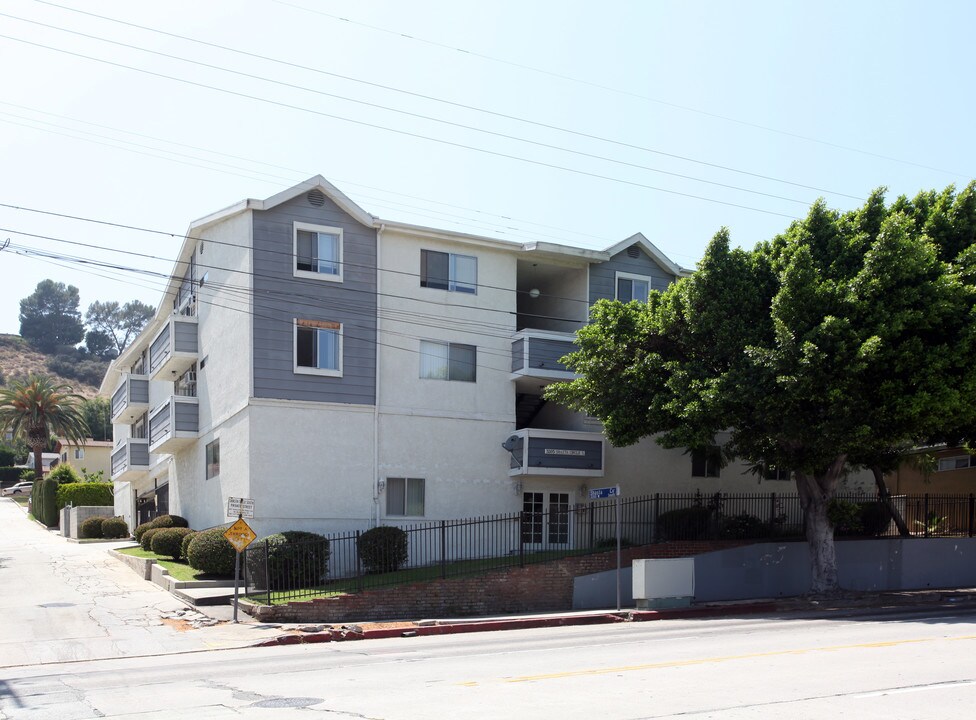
[{"x": 444, "y": 101}]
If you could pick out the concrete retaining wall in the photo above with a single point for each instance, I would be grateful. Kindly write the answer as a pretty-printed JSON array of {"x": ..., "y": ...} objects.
[
  {"x": 73, "y": 517},
  {"x": 142, "y": 566}
]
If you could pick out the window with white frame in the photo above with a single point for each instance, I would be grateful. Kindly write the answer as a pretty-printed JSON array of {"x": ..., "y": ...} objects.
[
  {"x": 632, "y": 287},
  {"x": 448, "y": 361},
  {"x": 79, "y": 454},
  {"x": 405, "y": 497},
  {"x": 448, "y": 271},
  {"x": 213, "y": 459},
  {"x": 958, "y": 462},
  {"x": 318, "y": 252},
  {"x": 318, "y": 347}
]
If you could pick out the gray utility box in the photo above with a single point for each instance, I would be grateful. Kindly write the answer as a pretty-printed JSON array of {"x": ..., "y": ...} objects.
[{"x": 664, "y": 583}]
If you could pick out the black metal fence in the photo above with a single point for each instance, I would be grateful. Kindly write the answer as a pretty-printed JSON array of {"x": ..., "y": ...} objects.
[{"x": 353, "y": 561}]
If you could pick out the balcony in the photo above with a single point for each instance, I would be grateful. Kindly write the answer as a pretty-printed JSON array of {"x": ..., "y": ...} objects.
[
  {"x": 174, "y": 349},
  {"x": 174, "y": 424},
  {"x": 130, "y": 399},
  {"x": 130, "y": 460},
  {"x": 555, "y": 452}
]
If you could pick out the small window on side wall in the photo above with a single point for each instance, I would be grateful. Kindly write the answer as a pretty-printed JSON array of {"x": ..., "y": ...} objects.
[
  {"x": 318, "y": 252},
  {"x": 448, "y": 271},
  {"x": 213, "y": 459},
  {"x": 448, "y": 361},
  {"x": 706, "y": 462},
  {"x": 405, "y": 497},
  {"x": 318, "y": 347},
  {"x": 632, "y": 287}
]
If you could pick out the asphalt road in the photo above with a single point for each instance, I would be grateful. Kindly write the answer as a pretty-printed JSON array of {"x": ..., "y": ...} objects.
[{"x": 894, "y": 666}]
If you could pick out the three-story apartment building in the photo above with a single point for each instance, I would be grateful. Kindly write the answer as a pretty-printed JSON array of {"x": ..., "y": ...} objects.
[{"x": 345, "y": 371}]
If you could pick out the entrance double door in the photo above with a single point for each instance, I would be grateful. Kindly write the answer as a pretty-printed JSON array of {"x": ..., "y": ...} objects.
[{"x": 545, "y": 518}]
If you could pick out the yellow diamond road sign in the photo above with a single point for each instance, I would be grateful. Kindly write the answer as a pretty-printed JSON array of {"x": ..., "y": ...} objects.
[{"x": 240, "y": 535}]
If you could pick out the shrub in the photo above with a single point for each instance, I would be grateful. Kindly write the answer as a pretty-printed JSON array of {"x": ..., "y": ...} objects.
[
  {"x": 382, "y": 549},
  {"x": 210, "y": 552},
  {"x": 64, "y": 473},
  {"x": 169, "y": 541},
  {"x": 875, "y": 518},
  {"x": 140, "y": 530},
  {"x": 9, "y": 472},
  {"x": 115, "y": 527},
  {"x": 185, "y": 543},
  {"x": 44, "y": 501},
  {"x": 690, "y": 523},
  {"x": 295, "y": 559},
  {"x": 168, "y": 521},
  {"x": 147, "y": 537},
  {"x": 26, "y": 474},
  {"x": 79, "y": 494},
  {"x": 610, "y": 543},
  {"x": 844, "y": 516},
  {"x": 92, "y": 527},
  {"x": 743, "y": 527}
]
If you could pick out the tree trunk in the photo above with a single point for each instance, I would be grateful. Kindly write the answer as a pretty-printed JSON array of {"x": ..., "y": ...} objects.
[
  {"x": 816, "y": 492},
  {"x": 886, "y": 499},
  {"x": 38, "y": 462}
]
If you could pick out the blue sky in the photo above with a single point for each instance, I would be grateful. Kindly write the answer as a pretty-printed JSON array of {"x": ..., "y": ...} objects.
[{"x": 669, "y": 118}]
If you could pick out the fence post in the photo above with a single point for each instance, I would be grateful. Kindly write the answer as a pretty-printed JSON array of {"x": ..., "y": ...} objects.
[
  {"x": 925, "y": 514},
  {"x": 592, "y": 513},
  {"x": 359, "y": 565},
  {"x": 772, "y": 514},
  {"x": 521, "y": 532},
  {"x": 657, "y": 512},
  {"x": 972, "y": 512},
  {"x": 267, "y": 571},
  {"x": 443, "y": 549}
]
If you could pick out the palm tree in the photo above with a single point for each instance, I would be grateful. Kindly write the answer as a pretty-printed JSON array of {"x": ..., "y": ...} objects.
[{"x": 38, "y": 409}]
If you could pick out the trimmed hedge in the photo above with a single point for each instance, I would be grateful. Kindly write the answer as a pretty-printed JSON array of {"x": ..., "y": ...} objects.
[
  {"x": 44, "y": 502},
  {"x": 147, "y": 537},
  {"x": 743, "y": 527},
  {"x": 210, "y": 552},
  {"x": 689, "y": 523},
  {"x": 80, "y": 494},
  {"x": 163, "y": 521},
  {"x": 295, "y": 559},
  {"x": 185, "y": 543},
  {"x": 169, "y": 541},
  {"x": 10, "y": 474},
  {"x": 92, "y": 527},
  {"x": 115, "y": 527},
  {"x": 382, "y": 549}
]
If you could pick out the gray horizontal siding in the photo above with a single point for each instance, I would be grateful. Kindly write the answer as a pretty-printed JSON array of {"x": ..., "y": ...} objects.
[
  {"x": 591, "y": 460},
  {"x": 602, "y": 275},
  {"x": 280, "y": 298}
]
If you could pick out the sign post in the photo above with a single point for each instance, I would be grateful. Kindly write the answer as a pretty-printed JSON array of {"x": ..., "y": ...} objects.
[
  {"x": 240, "y": 535},
  {"x": 603, "y": 494}
]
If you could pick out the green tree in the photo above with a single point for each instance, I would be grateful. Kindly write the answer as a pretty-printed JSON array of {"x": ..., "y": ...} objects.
[
  {"x": 49, "y": 317},
  {"x": 845, "y": 338},
  {"x": 97, "y": 412},
  {"x": 100, "y": 345},
  {"x": 118, "y": 324},
  {"x": 37, "y": 410}
]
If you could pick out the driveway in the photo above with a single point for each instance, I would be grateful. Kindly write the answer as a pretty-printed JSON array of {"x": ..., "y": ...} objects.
[{"x": 62, "y": 602}]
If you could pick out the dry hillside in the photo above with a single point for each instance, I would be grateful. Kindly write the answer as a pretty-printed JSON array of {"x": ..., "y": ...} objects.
[{"x": 19, "y": 359}]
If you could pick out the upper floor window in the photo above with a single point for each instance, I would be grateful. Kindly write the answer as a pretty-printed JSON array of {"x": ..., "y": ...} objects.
[
  {"x": 79, "y": 454},
  {"x": 957, "y": 463},
  {"x": 318, "y": 347},
  {"x": 632, "y": 287},
  {"x": 448, "y": 361},
  {"x": 213, "y": 459},
  {"x": 447, "y": 271},
  {"x": 318, "y": 252},
  {"x": 706, "y": 462}
]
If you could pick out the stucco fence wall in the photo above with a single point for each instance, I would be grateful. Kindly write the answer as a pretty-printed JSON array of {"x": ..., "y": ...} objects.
[{"x": 73, "y": 517}]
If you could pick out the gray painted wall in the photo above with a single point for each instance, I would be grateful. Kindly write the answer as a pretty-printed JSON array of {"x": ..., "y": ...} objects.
[
  {"x": 279, "y": 298},
  {"x": 602, "y": 275}
]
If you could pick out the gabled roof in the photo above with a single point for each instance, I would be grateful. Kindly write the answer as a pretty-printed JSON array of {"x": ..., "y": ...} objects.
[{"x": 652, "y": 251}]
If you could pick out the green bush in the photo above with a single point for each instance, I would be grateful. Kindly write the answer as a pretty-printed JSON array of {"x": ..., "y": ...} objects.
[
  {"x": 169, "y": 541},
  {"x": 10, "y": 475},
  {"x": 743, "y": 527},
  {"x": 115, "y": 527},
  {"x": 295, "y": 559},
  {"x": 169, "y": 521},
  {"x": 844, "y": 516},
  {"x": 147, "y": 537},
  {"x": 185, "y": 543},
  {"x": 140, "y": 529},
  {"x": 92, "y": 527},
  {"x": 875, "y": 518},
  {"x": 80, "y": 494},
  {"x": 26, "y": 474},
  {"x": 8, "y": 456},
  {"x": 382, "y": 549},
  {"x": 210, "y": 552},
  {"x": 64, "y": 473},
  {"x": 44, "y": 502},
  {"x": 690, "y": 523}
]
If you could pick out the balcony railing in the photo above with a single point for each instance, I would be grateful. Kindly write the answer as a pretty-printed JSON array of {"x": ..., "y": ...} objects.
[
  {"x": 555, "y": 452},
  {"x": 130, "y": 460},
  {"x": 536, "y": 354},
  {"x": 174, "y": 349},
  {"x": 174, "y": 424},
  {"x": 130, "y": 399}
]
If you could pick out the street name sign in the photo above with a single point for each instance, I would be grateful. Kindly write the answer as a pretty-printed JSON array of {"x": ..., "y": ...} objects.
[
  {"x": 240, "y": 507},
  {"x": 604, "y": 493}
]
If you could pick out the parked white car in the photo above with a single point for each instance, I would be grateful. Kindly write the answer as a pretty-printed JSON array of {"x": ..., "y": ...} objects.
[{"x": 21, "y": 488}]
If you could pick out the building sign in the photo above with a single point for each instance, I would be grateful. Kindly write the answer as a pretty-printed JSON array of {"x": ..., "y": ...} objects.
[{"x": 558, "y": 451}]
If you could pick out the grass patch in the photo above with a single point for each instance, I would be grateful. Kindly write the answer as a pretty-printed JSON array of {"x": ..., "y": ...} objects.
[
  {"x": 177, "y": 569},
  {"x": 20, "y": 499},
  {"x": 466, "y": 568}
]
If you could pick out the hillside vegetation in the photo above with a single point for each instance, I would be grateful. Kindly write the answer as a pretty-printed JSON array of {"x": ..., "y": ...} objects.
[{"x": 19, "y": 359}]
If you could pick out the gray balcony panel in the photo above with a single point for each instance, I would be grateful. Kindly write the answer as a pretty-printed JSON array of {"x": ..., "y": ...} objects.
[
  {"x": 565, "y": 454},
  {"x": 518, "y": 354},
  {"x": 185, "y": 337},
  {"x": 544, "y": 354},
  {"x": 187, "y": 417},
  {"x": 159, "y": 350},
  {"x": 159, "y": 424}
]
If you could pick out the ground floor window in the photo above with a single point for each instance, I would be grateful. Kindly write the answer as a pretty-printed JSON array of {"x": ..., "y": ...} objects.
[{"x": 405, "y": 497}]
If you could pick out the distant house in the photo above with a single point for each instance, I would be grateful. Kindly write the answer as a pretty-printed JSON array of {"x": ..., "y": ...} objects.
[
  {"x": 49, "y": 461},
  {"x": 92, "y": 456},
  {"x": 954, "y": 472}
]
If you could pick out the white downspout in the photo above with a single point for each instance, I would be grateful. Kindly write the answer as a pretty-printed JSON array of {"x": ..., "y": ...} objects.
[{"x": 376, "y": 391}]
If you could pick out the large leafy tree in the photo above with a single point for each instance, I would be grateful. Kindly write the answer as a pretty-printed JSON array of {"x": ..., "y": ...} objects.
[
  {"x": 37, "y": 409},
  {"x": 846, "y": 339},
  {"x": 97, "y": 413},
  {"x": 49, "y": 317},
  {"x": 113, "y": 326}
]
